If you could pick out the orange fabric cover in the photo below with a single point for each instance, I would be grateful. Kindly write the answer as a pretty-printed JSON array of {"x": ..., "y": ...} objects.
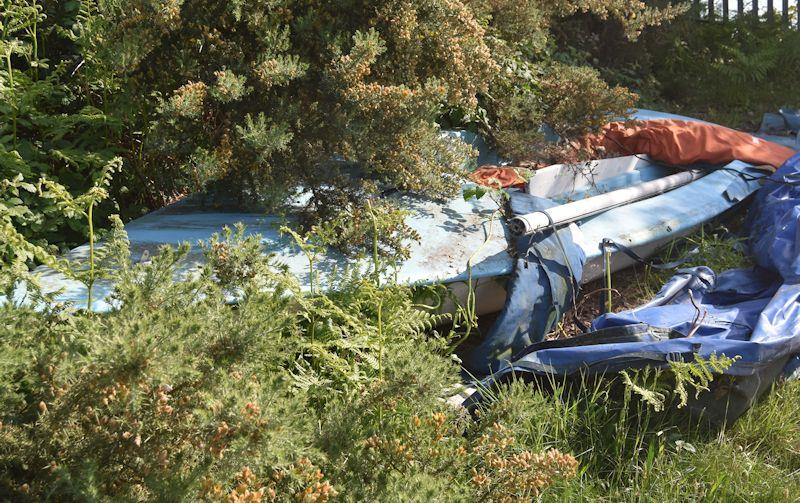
[
  {"x": 495, "y": 176},
  {"x": 681, "y": 142}
]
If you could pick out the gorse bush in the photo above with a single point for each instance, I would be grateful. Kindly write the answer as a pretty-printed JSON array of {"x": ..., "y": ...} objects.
[
  {"x": 176, "y": 394},
  {"x": 259, "y": 100},
  {"x": 272, "y": 95},
  {"x": 138, "y": 398},
  {"x": 540, "y": 83},
  {"x": 275, "y": 95}
]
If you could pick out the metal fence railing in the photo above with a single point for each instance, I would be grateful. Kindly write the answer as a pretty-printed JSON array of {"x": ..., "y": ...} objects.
[{"x": 761, "y": 10}]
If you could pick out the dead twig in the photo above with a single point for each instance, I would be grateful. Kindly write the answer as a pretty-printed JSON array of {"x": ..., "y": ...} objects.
[{"x": 699, "y": 316}]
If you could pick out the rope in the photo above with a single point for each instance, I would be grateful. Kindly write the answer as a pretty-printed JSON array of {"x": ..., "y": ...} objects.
[{"x": 607, "y": 244}]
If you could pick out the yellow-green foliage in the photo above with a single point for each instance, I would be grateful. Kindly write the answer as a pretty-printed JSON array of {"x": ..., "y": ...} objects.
[
  {"x": 175, "y": 394},
  {"x": 655, "y": 387},
  {"x": 271, "y": 95},
  {"x": 697, "y": 374},
  {"x": 262, "y": 98}
]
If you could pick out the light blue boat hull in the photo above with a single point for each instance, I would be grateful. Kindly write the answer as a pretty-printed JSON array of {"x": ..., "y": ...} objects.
[{"x": 451, "y": 234}]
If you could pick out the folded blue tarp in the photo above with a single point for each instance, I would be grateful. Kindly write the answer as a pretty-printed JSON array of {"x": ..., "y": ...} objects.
[
  {"x": 541, "y": 289},
  {"x": 750, "y": 314}
]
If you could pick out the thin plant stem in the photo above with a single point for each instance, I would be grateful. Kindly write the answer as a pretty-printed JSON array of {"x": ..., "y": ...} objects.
[
  {"x": 310, "y": 258},
  {"x": 90, "y": 283},
  {"x": 380, "y": 339},
  {"x": 10, "y": 72},
  {"x": 13, "y": 105},
  {"x": 470, "y": 304},
  {"x": 376, "y": 272},
  {"x": 375, "y": 257},
  {"x": 34, "y": 50},
  {"x": 609, "y": 303}
]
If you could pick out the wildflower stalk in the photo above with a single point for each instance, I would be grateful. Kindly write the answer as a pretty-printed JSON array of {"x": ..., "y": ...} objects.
[
  {"x": 309, "y": 250},
  {"x": 375, "y": 259},
  {"x": 310, "y": 258},
  {"x": 33, "y": 33},
  {"x": 10, "y": 71},
  {"x": 13, "y": 105},
  {"x": 376, "y": 271},
  {"x": 380, "y": 339},
  {"x": 470, "y": 308}
]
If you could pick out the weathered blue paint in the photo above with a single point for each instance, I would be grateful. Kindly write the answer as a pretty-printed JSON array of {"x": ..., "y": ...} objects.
[{"x": 451, "y": 233}]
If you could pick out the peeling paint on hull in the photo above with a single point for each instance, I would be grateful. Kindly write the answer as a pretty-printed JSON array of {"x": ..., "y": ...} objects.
[{"x": 451, "y": 233}]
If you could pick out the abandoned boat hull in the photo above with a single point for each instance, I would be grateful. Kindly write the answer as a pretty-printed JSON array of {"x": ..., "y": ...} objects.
[
  {"x": 452, "y": 233},
  {"x": 643, "y": 226}
]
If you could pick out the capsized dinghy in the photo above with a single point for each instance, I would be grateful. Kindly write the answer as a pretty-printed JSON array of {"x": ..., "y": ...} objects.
[{"x": 457, "y": 231}]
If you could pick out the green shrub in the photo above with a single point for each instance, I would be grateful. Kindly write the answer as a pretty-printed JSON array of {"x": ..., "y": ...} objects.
[
  {"x": 728, "y": 72},
  {"x": 257, "y": 100},
  {"x": 49, "y": 126},
  {"x": 540, "y": 82},
  {"x": 273, "y": 95},
  {"x": 731, "y": 71},
  {"x": 572, "y": 101},
  {"x": 176, "y": 394},
  {"x": 170, "y": 395},
  {"x": 270, "y": 96}
]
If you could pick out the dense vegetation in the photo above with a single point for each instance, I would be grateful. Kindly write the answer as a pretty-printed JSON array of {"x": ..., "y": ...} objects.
[
  {"x": 176, "y": 395},
  {"x": 112, "y": 106},
  {"x": 257, "y": 100},
  {"x": 729, "y": 72}
]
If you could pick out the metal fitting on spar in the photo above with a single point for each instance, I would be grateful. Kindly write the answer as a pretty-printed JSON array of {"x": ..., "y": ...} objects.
[{"x": 530, "y": 223}]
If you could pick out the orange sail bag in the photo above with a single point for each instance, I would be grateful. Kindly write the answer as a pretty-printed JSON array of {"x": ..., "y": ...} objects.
[{"x": 680, "y": 142}]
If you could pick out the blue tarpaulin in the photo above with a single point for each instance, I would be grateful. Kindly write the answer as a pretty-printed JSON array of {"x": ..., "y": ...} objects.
[
  {"x": 541, "y": 289},
  {"x": 751, "y": 314},
  {"x": 791, "y": 116}
]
